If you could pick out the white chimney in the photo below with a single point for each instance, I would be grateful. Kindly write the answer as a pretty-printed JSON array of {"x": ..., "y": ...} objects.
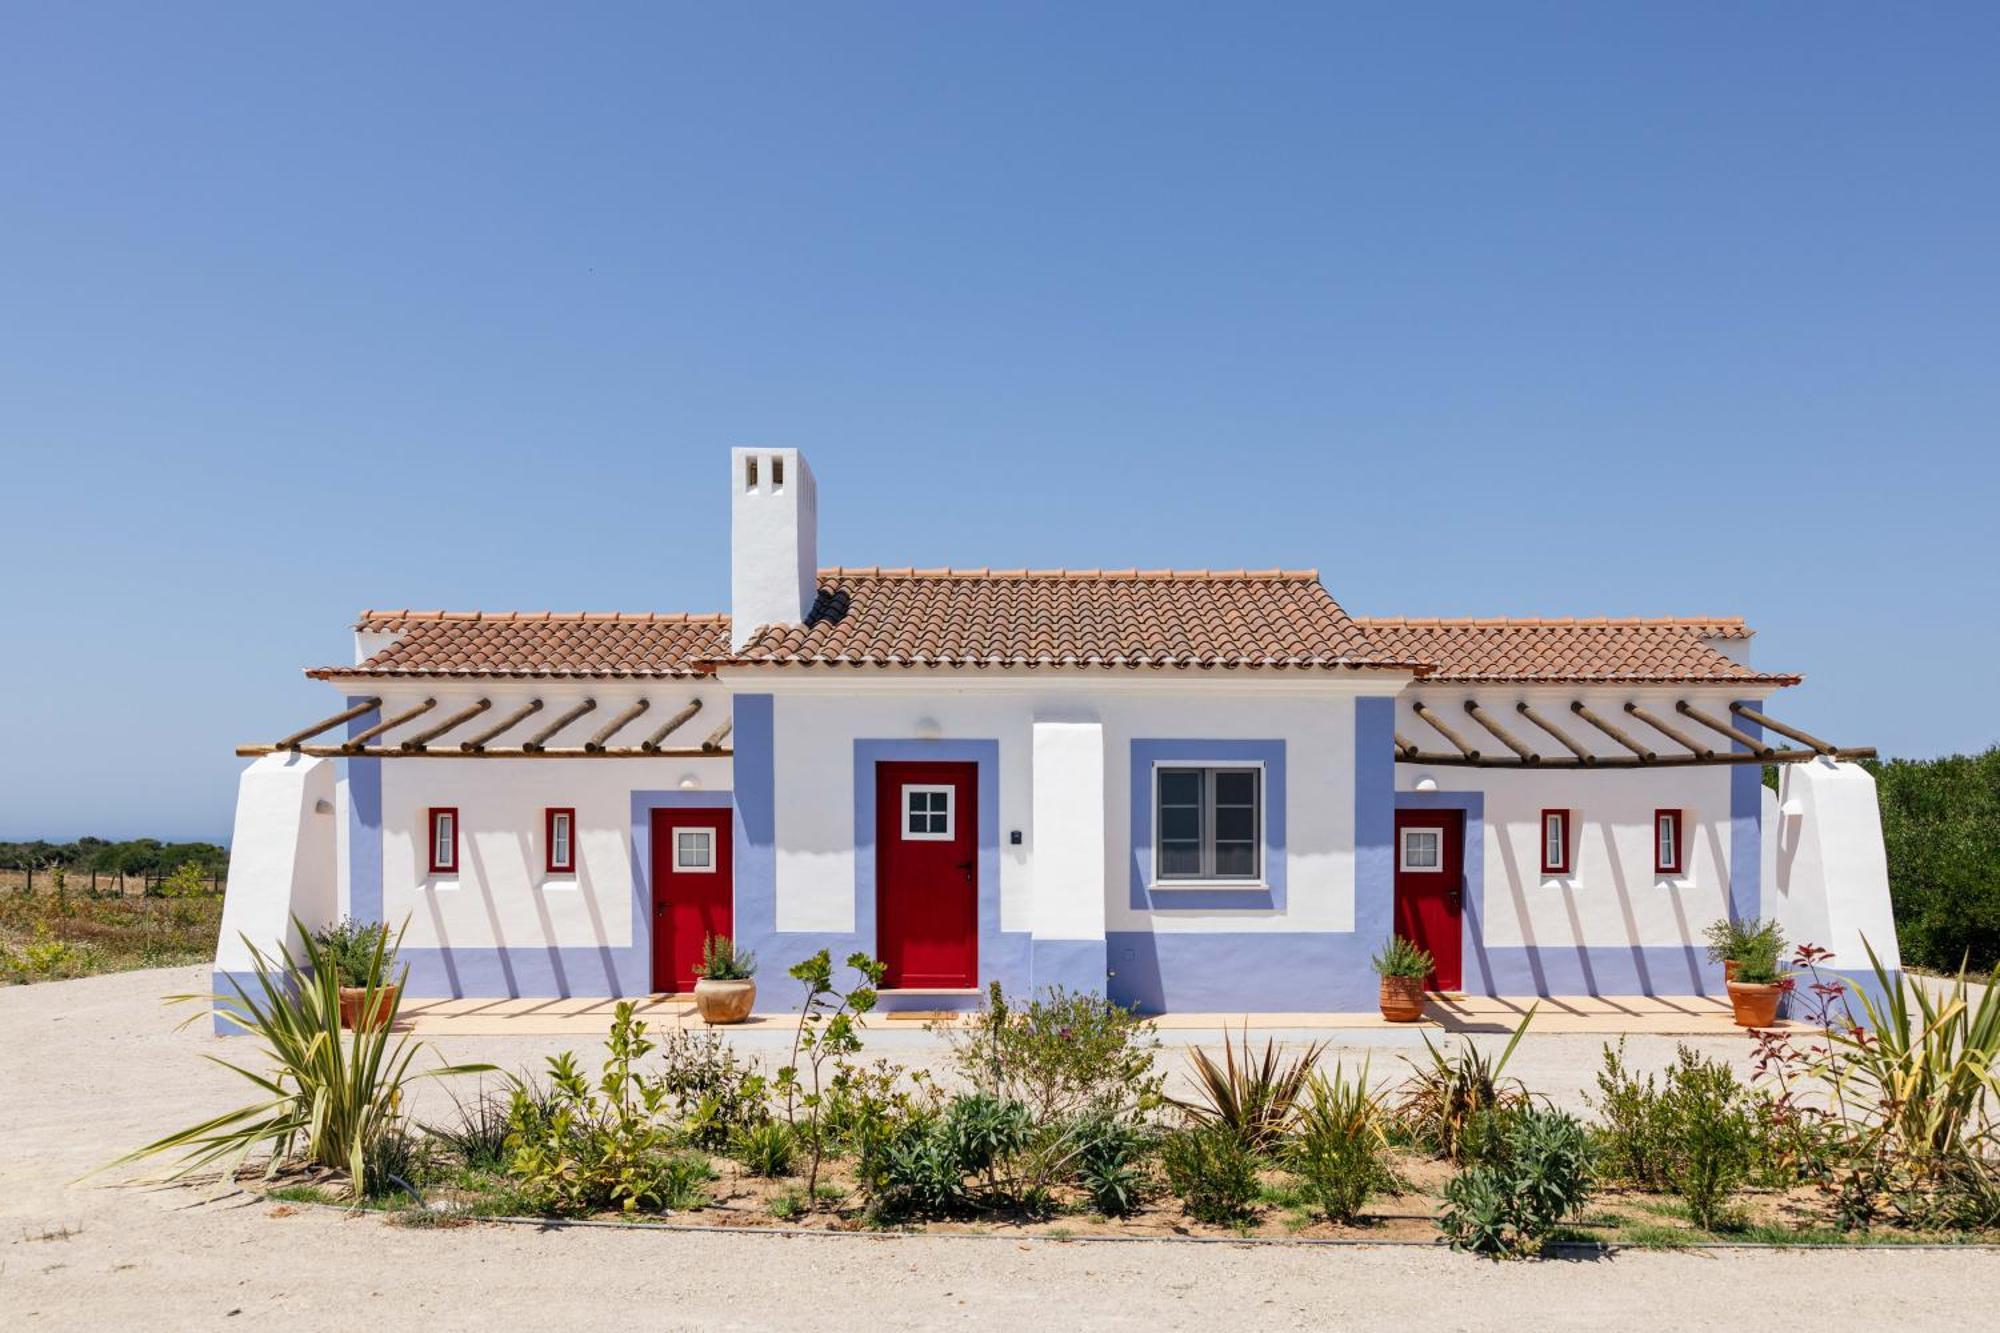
[{"x": 773, "y": 541}]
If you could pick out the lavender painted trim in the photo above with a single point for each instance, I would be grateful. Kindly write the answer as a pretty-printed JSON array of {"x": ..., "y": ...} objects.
[
  {"x": 229, "y": 988},
  {"x": 1241, "y": 971},
  {"x": 1148, "y": 753},
  {"x": 1746, "y": 832},
  {"x": 1374, "y": 819},
  {"x": 1074, "y": 965},
  {"x": 364, "y": 828}
]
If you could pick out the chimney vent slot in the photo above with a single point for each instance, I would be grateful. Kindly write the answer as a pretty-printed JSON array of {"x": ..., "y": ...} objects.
[
  {"x": 750, "y": 473},
  {"x": 778, "y": 472}
]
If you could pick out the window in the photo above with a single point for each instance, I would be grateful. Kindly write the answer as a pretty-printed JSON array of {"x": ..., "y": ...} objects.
[
  {"x": 561, "y": 841},
  {"x": 927, "y": 813},
  {"x": 1667, "y": 842},
  {"x": 444, "y": 840},
  {"x": 694, "y": 850},
  {"x": 1206, "y": 823},
  {"x": 1423, "y": 849},
  {"x": 1555, "y": 842}
]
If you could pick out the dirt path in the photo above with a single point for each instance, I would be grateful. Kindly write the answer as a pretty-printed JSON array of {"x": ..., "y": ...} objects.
[{"x": 94, "y": 1066}]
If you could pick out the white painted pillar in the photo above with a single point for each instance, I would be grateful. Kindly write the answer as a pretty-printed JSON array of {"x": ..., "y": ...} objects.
[
  {"x": 1832, "y": 882},
  {"x": 282, "y": 863},
  {"x": 1068, "y": 857}
]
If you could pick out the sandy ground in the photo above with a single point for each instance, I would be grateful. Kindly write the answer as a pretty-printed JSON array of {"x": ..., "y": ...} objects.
[{"x": 94, "y": 1066}]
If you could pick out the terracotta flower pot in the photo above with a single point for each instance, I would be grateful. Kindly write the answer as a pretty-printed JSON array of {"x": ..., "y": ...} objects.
[
  {"x": 724, "y": 1001},
  {"x": 1729, "y": 969},
  {"x": 1402, "y": 999},
  {"x": 1756, "y": 1006},
  {"x": 350, "y": 1004}
]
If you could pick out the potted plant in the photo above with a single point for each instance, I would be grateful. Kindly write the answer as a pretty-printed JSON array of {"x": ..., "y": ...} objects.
[
  {"x": 1730, "y": 942},
  {"x": 361, "y": 955},
  {"x": 1758, "y": 985},
  {"x": 723, "y": 989},
  {"x": 1402, "y": 967}
]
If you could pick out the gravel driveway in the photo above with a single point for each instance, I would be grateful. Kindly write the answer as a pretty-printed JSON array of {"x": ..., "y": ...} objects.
[{"x": 94, "y": 1066}]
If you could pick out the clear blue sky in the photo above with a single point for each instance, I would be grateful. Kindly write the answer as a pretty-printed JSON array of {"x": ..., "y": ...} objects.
[{"x": 1479, "y": 309}]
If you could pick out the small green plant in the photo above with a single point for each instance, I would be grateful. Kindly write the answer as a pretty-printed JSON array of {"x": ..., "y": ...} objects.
[
  {"x": 917, "y": 1171},
  {"x": 721, "y": 960},
  {"x": 1212, "y": 1171},
  {"x": 1109, "y": 1157},
  {"x": 1636, "y": 1131},
  {"x": 767, "y": 1149},
  {"x": 477, "y": 1132},
  {"x": 827, "y": 1030},
  {"x": 1532, "y": 1172},
  {"x": 187, "y": 881},
  {"x": 349, "y": 948},
  {"x": 1442, "y": 1097},
  {"x": 1253, "y": 1099},
  {"x": 1402, "y": 958},
  {"x": 46, "y": 955},
  {"x": 1339, "y": 1151},
  {"x": 712, "y": 1092},
  {"x": 332, "y": 1094},
  {"x": 1734, "y": 941},
  {"x": 1063, "y": 1055},
  {"x": 1712, "y": 1137}
]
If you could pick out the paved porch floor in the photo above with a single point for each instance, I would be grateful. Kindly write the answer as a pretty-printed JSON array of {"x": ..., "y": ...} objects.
[{"x": 1672, "y": 1015}]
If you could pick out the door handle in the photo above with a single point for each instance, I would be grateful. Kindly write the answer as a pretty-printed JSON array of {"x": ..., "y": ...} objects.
[{"x": 966, "y": 866}]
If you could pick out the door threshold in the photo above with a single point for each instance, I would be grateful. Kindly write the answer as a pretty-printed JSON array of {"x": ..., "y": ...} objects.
[{"x": 930, "y": 990}]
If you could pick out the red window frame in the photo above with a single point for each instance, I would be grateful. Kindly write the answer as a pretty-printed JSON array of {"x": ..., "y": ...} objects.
[
  {"x": 1679, "y": 864},
  {"x": 431, "y": 840},
  {"x": 549, "y": 817},
  {"x": 1542, "y": 833}
]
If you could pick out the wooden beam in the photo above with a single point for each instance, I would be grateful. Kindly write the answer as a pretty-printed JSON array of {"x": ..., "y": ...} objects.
[
  {"x": 1713, "y": 723},
  {"x": 1674, "y": 734},
  {"x": 713, "y": 745},
  {"x": 535, "y": 742},
  {"x": 1500, "y": 733},
  {"x": 1748, "y": 713},
  {"x": 513, "y": 719},
  {"x": 1418, "y": 707},
  {"x": 425, "y": 737},
  {"x": 360, "y": 739},
  {"x": 1585, "y": 757},
  {"x": 1622, "y": 762},
  {"x": 568, "y": 752},
  {"x": 1404, "y": 745},
  {"x": 611, "y": 728},
  {"x": 291, "y": 742},
  {"x": 1578, "y": 707},
  {"x": 652, "y": 742}
]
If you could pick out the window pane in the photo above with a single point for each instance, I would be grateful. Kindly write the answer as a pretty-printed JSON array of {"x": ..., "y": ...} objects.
[
  {"x": 1235, "y": 860},
  {"x": 1180, "y": 860},
  {"x": 1553, "y": 841},
  {"x": 1235, "y": 823},
  {"x": 1180, "y": 786},
  {"x": 1180, "y": 824},
  {"x": 1236, "y": 787},
  {"x": 1420, "y": 849}
]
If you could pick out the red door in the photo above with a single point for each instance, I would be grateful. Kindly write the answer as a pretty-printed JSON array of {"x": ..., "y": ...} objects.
[
  {"x": 1430, "y": 884},
  {"x": 927, "y": 875},
  {"x": 692, "y": 897}
]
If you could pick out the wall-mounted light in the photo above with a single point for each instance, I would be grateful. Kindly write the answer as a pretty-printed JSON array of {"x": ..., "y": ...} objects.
[
  {"x": 690, "y": 782},
  {"x": 1425, "y": 782},
  {"x": 929, "y": 728},
  {"x": 322, "y": 806}
]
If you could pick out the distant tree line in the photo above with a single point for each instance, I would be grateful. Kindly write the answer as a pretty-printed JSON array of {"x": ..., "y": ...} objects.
[
  {"x": 1941, "y": 825},
  {"x": 137, "y": 857}
]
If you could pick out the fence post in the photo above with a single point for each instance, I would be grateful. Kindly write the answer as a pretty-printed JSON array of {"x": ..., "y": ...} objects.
[{"x": 31, "y": 877}]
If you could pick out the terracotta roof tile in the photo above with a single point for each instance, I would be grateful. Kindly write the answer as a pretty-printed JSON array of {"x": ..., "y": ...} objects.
[
  {"x": 1572, "y": 649},
  {"x": 537, "y": 643},
  {"x": 1073, "y": 618}
]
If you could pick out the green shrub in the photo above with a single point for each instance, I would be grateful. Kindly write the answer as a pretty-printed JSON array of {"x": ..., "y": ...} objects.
[
  {"x": 1252, "y": 1099},
  {"x": 1532, "y": 1171},
  {"x": 349, "y": 948},
  {"x": 1109, "y": 1157},
  {"x": 712, "y": 1092},
  {"x": 1338, "y": 1151},
  {"x": 916, "y": 1171},
  {"x": 477, "y": 1132},
  {"x": 1446, "y": 1094},
  {"x": 1212, "y": 1170},
  {"x": 1712, "y": 1136},
  {"x": 721, "y": 960},
  {"x": 1941, "y": 830},
  {"x": 1635, "y": 1129},
  {"x": 1066, "y": 1054},
  {"x": 1402, "y": 958},
  {"x": 767, "y": 1149},
  {"x": 985, "y": 1132}
]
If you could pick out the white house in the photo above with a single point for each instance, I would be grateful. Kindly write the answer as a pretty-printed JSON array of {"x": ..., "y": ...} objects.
[{"x": 1196, "y": 791}]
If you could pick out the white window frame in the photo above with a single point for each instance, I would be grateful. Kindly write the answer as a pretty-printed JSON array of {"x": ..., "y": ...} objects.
[
  {"x": 683, "y": 868},
  {"x": 950, "y": 811},
  {"x": 1207, "y": 877},
  {"x": 1403, "y": 861}
]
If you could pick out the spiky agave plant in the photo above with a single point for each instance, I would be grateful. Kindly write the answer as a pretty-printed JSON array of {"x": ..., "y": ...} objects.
[
  {"x": 1254, "y": 1099},
  {"x": 332, "y": 1096},
  {"x": 1441, "y": 1098}
]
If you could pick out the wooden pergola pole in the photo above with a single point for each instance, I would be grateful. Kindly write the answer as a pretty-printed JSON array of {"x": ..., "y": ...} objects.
[
  {"x": 1672, "y": 733},
  {"x": 535, "y": 742},
  {"x": 1582, "y": 710},
  {"x": 611, "y": 728},
  {"x": 291, "y": 742},
  {"x": 1737, "y": 734},
  {"x": 1405, "y": 746},
  {"x": 513, "y": 719},
  {"x": 1501, "y": 734},
  {"x": 1563, "y": 738},
  {"x": 359, "y": 739},
  {"x": 667, "y": 728},
  {"x": 425, "y": 737},
  {"x": 1749, "y": 714},
  {"x": 713, "y": 745},
  {"x": 1423, "y": 711}
]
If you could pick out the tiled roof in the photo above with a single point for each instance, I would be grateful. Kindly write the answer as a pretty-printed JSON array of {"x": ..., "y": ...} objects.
[
  {"x": 537, "y": 643},
  {"x": 1664, "y": 650},
  {"x": 1069, "y": 618}
]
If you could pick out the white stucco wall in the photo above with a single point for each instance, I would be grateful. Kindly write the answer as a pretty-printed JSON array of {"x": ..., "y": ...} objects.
[
  {"x": 502, "y": 895},
  {"x": 281, "y": 859},
  {"x": 1612, "y": 897}
]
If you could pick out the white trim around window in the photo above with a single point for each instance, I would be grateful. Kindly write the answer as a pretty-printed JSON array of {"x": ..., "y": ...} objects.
[
  {"x": 1208, "y": 825},
  {"x": 930, "y": 811}
]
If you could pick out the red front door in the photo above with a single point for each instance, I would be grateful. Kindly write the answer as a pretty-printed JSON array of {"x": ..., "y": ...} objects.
[
  {"x": 691, "y": 891},
  {"x": 1430, "y": 888},
  {"x": 927, "y": 875}
]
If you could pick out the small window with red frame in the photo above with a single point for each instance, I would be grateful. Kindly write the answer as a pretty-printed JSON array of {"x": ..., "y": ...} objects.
[
  {"x": 560, "y": 840},
  {"x": 1555, "y": 842},
  {"x": 444, "y": 840},
  {"x": 1669, "y": 851}
]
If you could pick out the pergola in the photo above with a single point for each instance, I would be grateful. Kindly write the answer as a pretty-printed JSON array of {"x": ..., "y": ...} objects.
[
  {"x": 479, "y": 744},
  {"x": 1700, "y": 746}
]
